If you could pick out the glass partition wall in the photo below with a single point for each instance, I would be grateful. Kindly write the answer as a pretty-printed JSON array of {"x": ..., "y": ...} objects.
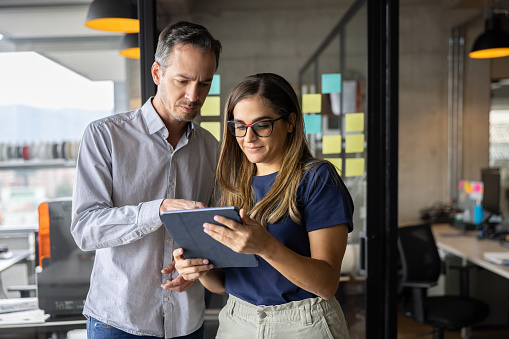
[
  {"x": 349, "y": 91},
  {"x": 336, "y": 76}
]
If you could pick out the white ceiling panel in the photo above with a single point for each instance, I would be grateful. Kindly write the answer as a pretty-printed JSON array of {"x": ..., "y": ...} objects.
[
  {"x": 43, "y": 22},
  {"x": 56, "y": 29},
  {"x": 95, "y": 65}
]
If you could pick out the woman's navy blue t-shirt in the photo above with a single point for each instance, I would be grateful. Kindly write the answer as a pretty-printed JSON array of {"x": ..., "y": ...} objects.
[{"x": 323, "y": 201}]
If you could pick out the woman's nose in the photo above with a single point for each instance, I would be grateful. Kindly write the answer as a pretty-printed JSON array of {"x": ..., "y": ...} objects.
[{"x": 250, "y": 134}]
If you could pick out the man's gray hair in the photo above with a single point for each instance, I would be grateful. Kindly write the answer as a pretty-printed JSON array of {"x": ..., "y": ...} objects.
[{"x": 185, "y": 33}]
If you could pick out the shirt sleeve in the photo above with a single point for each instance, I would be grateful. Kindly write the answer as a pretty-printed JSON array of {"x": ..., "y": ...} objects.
[
  {"x": 96, "y": 223},
  {"x": 325, "y": 198}
]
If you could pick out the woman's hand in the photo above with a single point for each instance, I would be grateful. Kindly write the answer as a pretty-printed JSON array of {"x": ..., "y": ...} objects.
[
  {"x": 250, "y": 237},
  {"x": 179, "y": 284},
  {"x": 190, "y": 269}
]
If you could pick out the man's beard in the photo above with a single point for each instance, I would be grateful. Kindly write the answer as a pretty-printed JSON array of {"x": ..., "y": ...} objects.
[{"x": 186, "y": 103}]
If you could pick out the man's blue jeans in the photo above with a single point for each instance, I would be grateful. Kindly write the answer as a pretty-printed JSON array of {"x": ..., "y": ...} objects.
[{"x": 100, "y": 330}]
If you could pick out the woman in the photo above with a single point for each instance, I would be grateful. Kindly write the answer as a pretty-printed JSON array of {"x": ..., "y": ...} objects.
[{"x": 296, "y": 215}]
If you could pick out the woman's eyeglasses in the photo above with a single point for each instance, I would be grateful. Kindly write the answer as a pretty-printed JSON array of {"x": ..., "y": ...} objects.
[{"x": 262, "y": 129}]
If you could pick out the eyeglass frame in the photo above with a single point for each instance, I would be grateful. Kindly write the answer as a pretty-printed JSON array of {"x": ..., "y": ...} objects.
[{"x": 271, "y": 121}]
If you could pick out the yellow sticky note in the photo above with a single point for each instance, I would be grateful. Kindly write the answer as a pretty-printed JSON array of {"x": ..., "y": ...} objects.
[
  {"x": 213, "y": 127},
  {"x": 312, "y": 103},
  {"x": 354, "y": 167},
  {"x": 338, "y": 163},
  {"x": 331, "y": 144},
  {"x": 354, "y": 122},
  {"x": 211, "y": 106},
  {"x": 354, "y": 143}
]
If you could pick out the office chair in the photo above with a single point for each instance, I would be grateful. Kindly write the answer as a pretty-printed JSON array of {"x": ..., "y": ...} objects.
[{"x": 420, "y": 268}]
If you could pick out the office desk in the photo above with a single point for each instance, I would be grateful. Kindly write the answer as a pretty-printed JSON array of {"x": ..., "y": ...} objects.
[
  {"x": 490, "y": 285},
  {"x": 466, "y": 245}
]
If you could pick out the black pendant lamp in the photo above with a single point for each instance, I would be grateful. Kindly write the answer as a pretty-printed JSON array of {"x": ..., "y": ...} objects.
[
  {"x": 493, "y": 43},
  {"x": 113, "y": 16},
  {"x": 129, "y": 47}
]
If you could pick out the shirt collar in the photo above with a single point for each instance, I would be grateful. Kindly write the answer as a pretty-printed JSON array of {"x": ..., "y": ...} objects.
[{"x": 155, "y": 123}]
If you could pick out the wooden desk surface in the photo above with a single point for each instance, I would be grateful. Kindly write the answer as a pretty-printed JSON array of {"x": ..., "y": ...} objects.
[{"x": 466, "y": 245}]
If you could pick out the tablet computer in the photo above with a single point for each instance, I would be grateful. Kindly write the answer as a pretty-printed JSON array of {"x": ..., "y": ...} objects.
[{"x": 186, "y": 228}]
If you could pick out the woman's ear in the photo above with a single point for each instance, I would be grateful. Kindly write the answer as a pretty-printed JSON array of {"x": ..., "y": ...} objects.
[{"x": 291, "y": 122}]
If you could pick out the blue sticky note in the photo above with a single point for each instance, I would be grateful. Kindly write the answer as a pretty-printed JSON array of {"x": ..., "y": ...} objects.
[
  {"x": 312, "y": 123},
  {"x": 331, "y": 83},
  {"x": 215, "y": 87}
]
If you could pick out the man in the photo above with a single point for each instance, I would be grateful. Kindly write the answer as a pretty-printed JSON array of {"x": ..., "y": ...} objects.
[{"x": 132, "y": 167}]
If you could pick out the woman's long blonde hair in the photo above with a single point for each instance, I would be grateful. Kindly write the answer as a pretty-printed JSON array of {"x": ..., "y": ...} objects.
[{"x": 234, "y": 172}]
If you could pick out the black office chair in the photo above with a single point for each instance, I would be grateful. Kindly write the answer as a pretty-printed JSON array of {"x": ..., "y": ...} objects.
[{"x": 420, "y": 268}]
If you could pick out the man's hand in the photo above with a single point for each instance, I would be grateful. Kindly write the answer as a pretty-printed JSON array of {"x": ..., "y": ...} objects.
[
  {"x": 179, "y": 204},
  {"x": 179, "y": 284}
]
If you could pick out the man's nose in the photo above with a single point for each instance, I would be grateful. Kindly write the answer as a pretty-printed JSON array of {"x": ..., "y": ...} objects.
[{"x": 192, "y": 92}]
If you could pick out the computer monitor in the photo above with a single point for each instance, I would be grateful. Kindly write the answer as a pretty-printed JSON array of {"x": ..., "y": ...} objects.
[{"x": 491, "y": 197}]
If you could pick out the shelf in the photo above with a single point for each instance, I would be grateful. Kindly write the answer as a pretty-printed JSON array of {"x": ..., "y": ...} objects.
[{"x": 36, "y": 164}]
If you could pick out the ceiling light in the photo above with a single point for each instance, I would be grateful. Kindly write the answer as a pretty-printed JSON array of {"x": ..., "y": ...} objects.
[
  {"x": 113, "y": 16},
  {"x": 493, "y": 43},
  {"x": 130, "y": 47}
]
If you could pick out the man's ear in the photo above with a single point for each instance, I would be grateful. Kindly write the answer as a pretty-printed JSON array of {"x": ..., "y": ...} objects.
[{"x": 156, "y": 73}]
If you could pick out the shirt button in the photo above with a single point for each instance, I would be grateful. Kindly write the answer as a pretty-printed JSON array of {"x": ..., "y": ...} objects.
[
  {"x": 168, "y": 241},
  {"x": 166, "y": 298},
  {"x": 262, "y": 315},
  {"x": 172, "y": 183}
]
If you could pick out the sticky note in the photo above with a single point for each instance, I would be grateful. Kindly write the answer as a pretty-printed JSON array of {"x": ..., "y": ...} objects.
[
  {"x": 215, "y": 87},
  {"x": 354, "y": 167},
  {"x": 331, "y": 83},
  {"x": 354, "y": 143},
  {"x": 354, "y": 122},
  {"x": 213, "y": 127},
  {"x": 331, "y": 144},
  {"x": 312, "y": 103},
  {"x": 211, "y": 106},
  {"x": 313, "y": 123},
  {"x": 338, "y": 163}
]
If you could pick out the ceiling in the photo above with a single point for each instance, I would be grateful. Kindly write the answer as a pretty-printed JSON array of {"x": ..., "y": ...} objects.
[{"x": 55, "y": 29}]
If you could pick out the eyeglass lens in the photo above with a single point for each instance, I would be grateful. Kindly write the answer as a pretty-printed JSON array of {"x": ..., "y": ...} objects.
[{"x": 261, "y": 128}]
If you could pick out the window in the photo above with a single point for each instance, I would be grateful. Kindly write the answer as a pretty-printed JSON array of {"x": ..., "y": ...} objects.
[{"x": 44, "y": 109}]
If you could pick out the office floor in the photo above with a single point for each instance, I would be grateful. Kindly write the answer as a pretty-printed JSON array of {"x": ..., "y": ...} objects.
[{"x": 410, "y": 329}]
